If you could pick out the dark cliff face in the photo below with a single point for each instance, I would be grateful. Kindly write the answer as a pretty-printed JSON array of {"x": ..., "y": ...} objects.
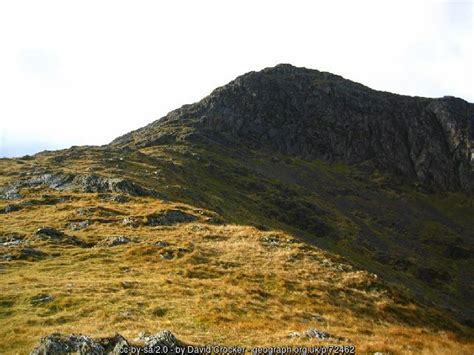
[{"x": 317, "y": 115}]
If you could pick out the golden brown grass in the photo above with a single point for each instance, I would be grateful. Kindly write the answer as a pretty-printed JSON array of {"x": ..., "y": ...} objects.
[{"x": 226, "y": 284}]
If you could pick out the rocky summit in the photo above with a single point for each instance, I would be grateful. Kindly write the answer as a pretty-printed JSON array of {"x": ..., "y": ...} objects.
[
  {"x": 318, "y": 115},
  {"x": 290, "y": 207}
]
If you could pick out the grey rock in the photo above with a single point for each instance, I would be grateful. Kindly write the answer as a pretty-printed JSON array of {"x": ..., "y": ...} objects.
[
  {"x": 314, "y": 333},
  {"x": 11, "y": 239},
  {"x": 214, "y": 220},
  {"x": 55, "y": 236},
  {"x": 114, "y": 241},
  {"x": 28, "y": 254},
  {"x": 168, "y": 255},
  {"x": 272, "y": 241},
  {"x": 129, "y": 284},
  {"x": 163, "y": 339},
  {"x": 7, "y": 257},
  {"x": 48, "y": 233},
  {"x": 32, "y": 253},
  {"x": 80, "y": 225},
  {"x": 10, "y": 193},
  {"x": 41, "y": 299},
  {"x": 54, "y": 181},
  {"x": 96, "y": 183},
  {"x": 62, "y": 344},
  {"x": 130, "y": 221},
  {"x": 162, "y": 244},
  {"x": 85, "y": 183},
  {"x": 169, "y": 217},
  {"x": 9, "y": 209},
  {"x": 119, "y": 198},
  {"x": 58, "y": 344},
  {"x": 46, "y": 199}
]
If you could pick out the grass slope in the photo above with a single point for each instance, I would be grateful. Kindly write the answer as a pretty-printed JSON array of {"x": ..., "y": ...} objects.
[{"x": 248, "y": 282}]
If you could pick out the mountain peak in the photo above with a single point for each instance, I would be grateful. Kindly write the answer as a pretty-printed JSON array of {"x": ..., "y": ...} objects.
[
  {"x": 318, "y": 115},
  {"x": 285, "y": 68}
]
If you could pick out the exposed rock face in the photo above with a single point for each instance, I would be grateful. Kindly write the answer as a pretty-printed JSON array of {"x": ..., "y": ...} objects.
[{"x": 319, "y": 115}]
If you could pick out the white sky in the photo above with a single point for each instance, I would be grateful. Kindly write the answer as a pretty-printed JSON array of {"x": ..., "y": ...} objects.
[{"x": 85, "y": 72}]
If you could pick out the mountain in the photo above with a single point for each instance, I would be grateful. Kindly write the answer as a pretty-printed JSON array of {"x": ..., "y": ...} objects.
[
  {"x": 316, "y": 115},
  {"x": 287, "y": 201}
]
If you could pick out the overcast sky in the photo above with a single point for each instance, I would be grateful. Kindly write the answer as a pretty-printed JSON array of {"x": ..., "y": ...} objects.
[{"x": 84, "y": 72}]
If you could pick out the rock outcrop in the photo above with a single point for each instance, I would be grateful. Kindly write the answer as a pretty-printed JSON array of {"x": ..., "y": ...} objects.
[
  {"x": 163, "y": 342},
  {"x": 62, "y": 344},
  {"x": 318, "y": 115},
  {"x": 55, "y": 236},
  {"x": 169, "y": 217},
  {"x": 88, "y": 183}
]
